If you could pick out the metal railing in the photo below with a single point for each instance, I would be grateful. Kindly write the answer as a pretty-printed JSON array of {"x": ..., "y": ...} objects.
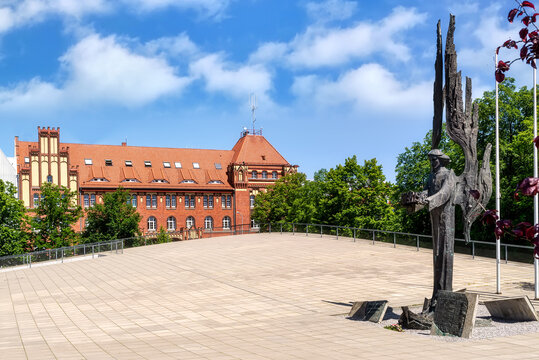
[
  {"x": 63, "y": 253},
  {"x": 520, "y": 253}
]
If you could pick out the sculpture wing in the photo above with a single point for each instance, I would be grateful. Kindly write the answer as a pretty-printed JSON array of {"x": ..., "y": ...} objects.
[
  {"x": 438, "y": 96},
  {"x": 462, "y": 128}
]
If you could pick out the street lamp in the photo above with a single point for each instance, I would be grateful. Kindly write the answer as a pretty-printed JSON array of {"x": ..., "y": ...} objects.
[{"x": 237, "y": 212}]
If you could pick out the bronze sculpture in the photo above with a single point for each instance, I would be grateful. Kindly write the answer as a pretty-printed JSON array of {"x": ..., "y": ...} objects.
[{"x": 444, "y": 189}]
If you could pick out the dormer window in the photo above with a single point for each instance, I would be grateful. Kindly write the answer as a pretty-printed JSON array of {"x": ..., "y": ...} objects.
[
  {"x": 128, "y": 163},
  {"x": 166, "y": 164},
  {"x": 216, "y": 182},
  {"x": 148, "y": 163},
  {"x": 178, "y": 165},
  {"x": 108, "y": 162},
  {"x": 27, "y": 160},
  {"x": 218, "y": 166},
  {"x": 88, "y": 162},
  {"x": 160, "y": 181},
  {"x": 188, "y": 181},
  {"x": 99, "y": 180},
  {"x": 196, "y": 165},
  {"x": 131, "y": 180}
]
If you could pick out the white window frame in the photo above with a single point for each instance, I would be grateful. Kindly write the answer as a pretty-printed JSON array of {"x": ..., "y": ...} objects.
[
  {"x": 226, "y": 223},
  {"x": 208, "y": 220},
  {"x": 190, "y": 222},
  {"x": 152, "y": 223},
  {"x": 171, "y": 223}
]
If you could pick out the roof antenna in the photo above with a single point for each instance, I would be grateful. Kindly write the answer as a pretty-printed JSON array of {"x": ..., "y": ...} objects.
[{"x": 252, "y": 102}]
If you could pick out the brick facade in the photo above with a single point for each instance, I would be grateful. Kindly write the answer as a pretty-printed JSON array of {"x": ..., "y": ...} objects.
[{"x": 92, "y": 170}]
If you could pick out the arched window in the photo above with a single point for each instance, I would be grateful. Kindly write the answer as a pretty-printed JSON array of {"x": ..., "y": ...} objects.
[
  {"x": 254, "y": 174},
  {"x": 274, "y": 175},
  {"x": 171, "y": 223},
  {"x": 190, "y": 222},
  {"x": 36, "y": 200},
  {"x": 264, "y": 174},
  {"x": 152, "y": 223},
  {"x": 252, "y": 201},
  {"x": 240, "y": 176},
  {"x": 49, "y": 179},
  {"x": 208, "y": 222},
  {"x": 226, "y": 222}
]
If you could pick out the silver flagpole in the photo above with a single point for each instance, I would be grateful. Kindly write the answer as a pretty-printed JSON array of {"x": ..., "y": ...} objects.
[
  {"x": 498, "y": 207},
  {"x": 536, "y": 197}
]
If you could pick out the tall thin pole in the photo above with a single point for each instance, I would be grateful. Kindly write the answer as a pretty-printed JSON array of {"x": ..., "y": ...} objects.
[
  {"x": 498, "y": 206},
  {"x": 536, "y": 197}
]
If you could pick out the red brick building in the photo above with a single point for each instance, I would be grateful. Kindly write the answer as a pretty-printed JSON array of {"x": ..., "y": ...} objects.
[{"x": 173, "y": 188}]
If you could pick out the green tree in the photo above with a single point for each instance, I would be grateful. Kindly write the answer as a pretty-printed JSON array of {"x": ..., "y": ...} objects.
[
  {"x": 162, "y": 236},
  {"x": 13, "y": 238},
  {"x": 357, "y": 195},
  {"x": 516, "y": 147},
  {"x": 115, "y": 218},
  {"x": 290, "y": 199},
  {"x": 54, "y": 217}
]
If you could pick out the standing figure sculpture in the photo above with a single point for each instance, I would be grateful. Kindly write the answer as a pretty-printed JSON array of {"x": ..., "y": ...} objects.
[{"x": 444, "y": 189}]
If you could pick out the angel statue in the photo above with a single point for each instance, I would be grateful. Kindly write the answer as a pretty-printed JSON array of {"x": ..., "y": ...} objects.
[{"x": 444, "y": 189}]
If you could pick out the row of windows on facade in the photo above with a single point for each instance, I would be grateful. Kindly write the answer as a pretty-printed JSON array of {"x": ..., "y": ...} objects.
[
  {"x": 190, "y": 223},
  {"x": 170, "y": 201},
  {"x": 148, "y": 163},
  {"x": 160, "y": 181},
  {"x": 264, "y": 174}
]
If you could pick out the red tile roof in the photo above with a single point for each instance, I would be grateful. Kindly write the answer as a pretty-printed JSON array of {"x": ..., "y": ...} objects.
[
  {"x": 255, "y": 149},
  {"x": 251, "y": 149}
]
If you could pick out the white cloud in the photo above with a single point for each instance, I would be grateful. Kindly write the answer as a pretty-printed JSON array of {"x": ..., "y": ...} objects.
[
  {"x": 100, "y": 70},
  {"x": 15, "y": 14},
  {"x": 209, "y": 8},
  {"x": 236, "y": 80},
  {"x": 173, "y": 46},
  {"x": 269, "y": 52},
  {"x": 487, "y": 34},
  {"x": 319, "y": 46},
  {"x": 104, "y": 69},
  {"x": 371, "y": 88},
  {"x": 330, "y": 10}
]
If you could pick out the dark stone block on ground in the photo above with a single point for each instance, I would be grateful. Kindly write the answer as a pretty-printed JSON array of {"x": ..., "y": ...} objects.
[
  {"x": 454, "y": 314},
  {"x": 373, "y": 311},
  {"x": 410, "y": 320}
]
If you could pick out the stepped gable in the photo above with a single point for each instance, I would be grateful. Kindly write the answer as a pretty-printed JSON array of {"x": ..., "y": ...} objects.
[{"x": 255, "y": 149}]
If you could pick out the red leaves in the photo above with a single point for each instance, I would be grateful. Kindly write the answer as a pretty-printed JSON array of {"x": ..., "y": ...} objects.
[
  {"x": 489, "y": 217},
  {"x": 475, "y": 193},
  {"x": 523, "y": 53},
  {"x": 536, "y": 141},
  {"x": 527, "y": 4},
  {"x": 529, "y": 49},
  {"x": 501, "y": 68},
  {"x": 527, "y": 187},
  {"x": 523, "y": 33},
  {"x": 512, "y": 15}
]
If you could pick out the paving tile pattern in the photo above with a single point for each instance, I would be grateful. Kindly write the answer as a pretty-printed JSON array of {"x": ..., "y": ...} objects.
[{"x": 267, "y": 296}]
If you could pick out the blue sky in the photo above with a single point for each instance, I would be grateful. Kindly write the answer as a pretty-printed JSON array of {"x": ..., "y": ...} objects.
[{"x": 333, "y": 78}]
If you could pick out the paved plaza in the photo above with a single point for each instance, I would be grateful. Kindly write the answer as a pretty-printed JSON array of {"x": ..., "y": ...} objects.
[{"x": 267, "y": 296}]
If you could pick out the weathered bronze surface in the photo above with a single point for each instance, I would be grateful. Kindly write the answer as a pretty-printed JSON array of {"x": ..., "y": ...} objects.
[{"x": 444, "y": 189}]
